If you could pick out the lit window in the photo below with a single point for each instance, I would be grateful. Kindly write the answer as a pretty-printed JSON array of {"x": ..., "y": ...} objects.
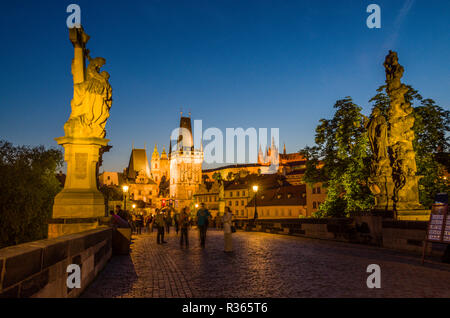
[{"x": 237, "y": 193}]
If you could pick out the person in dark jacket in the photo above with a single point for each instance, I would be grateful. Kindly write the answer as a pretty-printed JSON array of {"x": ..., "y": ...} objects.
[
  {"x": 184, "y": 222},
  {"x": 159, "y": 221}
]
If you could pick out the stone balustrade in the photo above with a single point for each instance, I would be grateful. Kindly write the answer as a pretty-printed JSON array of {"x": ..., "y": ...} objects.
[
  {"x": 374, "y": 230},
  {"x": 39, "y": 268}
]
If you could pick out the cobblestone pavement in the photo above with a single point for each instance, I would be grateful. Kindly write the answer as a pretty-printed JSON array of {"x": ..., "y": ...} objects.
[{"x": 264, "y": 265}]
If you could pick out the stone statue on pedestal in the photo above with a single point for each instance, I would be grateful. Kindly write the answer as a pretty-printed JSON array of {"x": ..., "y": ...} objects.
[
  {"x": 79, "y": 205},
  {"x": 393, "y": 177}
]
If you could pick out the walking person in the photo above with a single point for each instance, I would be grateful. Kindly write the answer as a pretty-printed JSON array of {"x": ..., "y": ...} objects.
[
  {"x": 227, "y": 229},
  {"x": 148, "y": 223},
  {"x": 159, "y": 222},
  {"x": 176, "y": 219},
  {"x": 184, "y": 227},
  {"x": 168, "y": 221},
  {"x": 139, "y": 223},
  {"x": 203, "y": 216}
]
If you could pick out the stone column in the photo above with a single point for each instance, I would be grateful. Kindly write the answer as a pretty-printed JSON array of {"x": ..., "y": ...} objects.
[{"x": 79, "y": 205}]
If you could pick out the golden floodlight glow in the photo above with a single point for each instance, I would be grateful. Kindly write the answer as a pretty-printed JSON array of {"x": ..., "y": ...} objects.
[
  {"x": 196, "y": 205},
  {"x": 125, "y": 188},
  {"x": 134, "y": 206},
  {"x": 255, "y": 188}
]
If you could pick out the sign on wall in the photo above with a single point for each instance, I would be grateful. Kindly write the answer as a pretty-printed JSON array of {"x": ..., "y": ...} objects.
[{"x": 438, "y": 227}]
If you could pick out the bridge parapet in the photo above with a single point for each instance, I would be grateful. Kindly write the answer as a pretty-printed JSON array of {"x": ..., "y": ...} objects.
[{"x": 39, "y": 268}]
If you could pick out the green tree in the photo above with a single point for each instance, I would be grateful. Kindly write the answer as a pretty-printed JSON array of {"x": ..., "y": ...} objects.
[
  {"x": 431, "y": 128},
  {"x": 27, "y": 189},
  {"x": 341, "y": 160}
]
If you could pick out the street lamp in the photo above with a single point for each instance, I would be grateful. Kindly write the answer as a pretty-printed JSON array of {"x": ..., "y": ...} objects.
[
  {"x": 255, "y": 189},
  {"x": 125, "y": 190}
]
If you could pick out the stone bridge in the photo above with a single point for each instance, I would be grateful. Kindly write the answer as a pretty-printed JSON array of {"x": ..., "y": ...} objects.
[{"x": 262, "y": 265}]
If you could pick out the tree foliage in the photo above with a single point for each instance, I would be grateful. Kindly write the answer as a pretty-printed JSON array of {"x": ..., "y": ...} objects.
[
  {"x": 341, "y": 160},
  {"x": 27, "y": 189}
]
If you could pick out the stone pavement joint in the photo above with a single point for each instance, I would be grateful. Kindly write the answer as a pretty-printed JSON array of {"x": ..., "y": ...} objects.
[{"x": 264, "y": 265}]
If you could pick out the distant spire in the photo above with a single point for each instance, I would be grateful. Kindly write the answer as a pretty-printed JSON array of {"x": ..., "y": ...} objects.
[
  {"x": 155, "y": 151},
  {"x": 284, "y": 148}
]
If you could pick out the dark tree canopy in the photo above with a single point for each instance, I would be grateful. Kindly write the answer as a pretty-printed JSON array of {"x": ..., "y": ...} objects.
[{"x": 27, "y": 189}]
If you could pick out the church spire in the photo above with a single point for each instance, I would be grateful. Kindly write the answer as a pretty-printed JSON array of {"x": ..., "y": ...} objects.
[
  {"x": 163, "y": 153},
  {"x": 260, "y": 156},
  {"x": 155, "y": 152}
]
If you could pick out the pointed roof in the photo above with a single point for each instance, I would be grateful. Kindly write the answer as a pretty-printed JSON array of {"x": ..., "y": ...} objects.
[
  {"x": 138, "y": 162},
  {"x": 155, "y": 152},
  {"x": 163, "y": 153},
  {"x": 185, "y": 123}
]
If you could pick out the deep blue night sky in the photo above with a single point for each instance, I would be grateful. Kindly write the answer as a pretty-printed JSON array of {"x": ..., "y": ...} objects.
[{"x": 231, "y": 63}]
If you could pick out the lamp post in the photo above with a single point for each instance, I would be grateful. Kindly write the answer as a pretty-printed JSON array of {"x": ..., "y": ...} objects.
[
  {"x": 125, "y": 191},
  {"x": 255, "y": 216}
]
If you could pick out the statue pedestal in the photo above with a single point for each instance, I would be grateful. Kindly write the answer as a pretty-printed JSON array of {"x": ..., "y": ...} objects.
[
  {"x": 79, "y": 205},
  {"x": 413, "y": 215}
]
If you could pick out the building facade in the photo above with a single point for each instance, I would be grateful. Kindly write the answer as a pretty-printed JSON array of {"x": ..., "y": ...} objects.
[{"x": 185, "y": 167}]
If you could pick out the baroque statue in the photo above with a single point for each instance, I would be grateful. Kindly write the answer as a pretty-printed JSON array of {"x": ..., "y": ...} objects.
[
  {"x": 80, "y": 204},
  {"x": 92, "y": 93},
  {"x": 393, "y": 178}
]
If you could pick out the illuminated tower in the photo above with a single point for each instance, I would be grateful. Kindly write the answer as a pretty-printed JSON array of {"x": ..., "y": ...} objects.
[
  {"x": 156, "y": 168},
  {"x": 185, "y": 166}
]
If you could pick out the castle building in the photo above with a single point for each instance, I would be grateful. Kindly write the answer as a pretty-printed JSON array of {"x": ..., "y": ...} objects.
[
  {"x": 138, "y": 177},
  {"x": 185, "y": 166}
]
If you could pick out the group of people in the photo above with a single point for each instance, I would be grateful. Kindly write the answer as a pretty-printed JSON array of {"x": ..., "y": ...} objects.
[{"x": 163, "y": 220}]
